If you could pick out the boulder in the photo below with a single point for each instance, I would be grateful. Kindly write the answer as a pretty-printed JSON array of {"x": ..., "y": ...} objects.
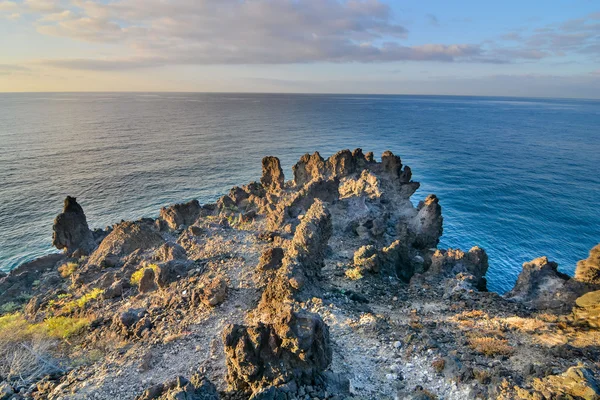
[
  {"x": 168, "y": 272},
  {"x": 133, "y": 322},
  {"x": 180, "y": 214},
  {"x": 587, "y": 309},
  {"x": 115, "y": 290},
  {"x": 541, "y": 286},
  {"x": 71, "y": 231},
  {"x": 272, "y": 174},
  {"x": 309, "y": 167},
  {"x": 428, "y": 224},
  {"x": 588, "y": 270},
  {"x": 310, "y": 240},
  {"x": 126, "y": 238},
  {"x": 179, "y": 388},
  {"x": 169, "y": 252},
  {"x": 576, "y": 383},
  {"x": 395, "y": 261},
  {"x": 451, "y": 262},
  {"x": 367, "y": 258},
  {"x": 211, "y": 294},
  {"x": 297, "y": 348},
  {"x": 148, "y": 281}
]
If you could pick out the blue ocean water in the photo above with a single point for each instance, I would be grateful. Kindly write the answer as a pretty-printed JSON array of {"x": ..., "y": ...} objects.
[{"x": 519, "y": 177}]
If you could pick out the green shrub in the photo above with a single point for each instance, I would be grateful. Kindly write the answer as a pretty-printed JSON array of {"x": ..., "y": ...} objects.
[{"x": 9, "y": 307}]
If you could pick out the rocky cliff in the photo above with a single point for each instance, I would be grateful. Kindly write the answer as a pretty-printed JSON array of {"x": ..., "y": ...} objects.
[{"x": 330, "y": 285}]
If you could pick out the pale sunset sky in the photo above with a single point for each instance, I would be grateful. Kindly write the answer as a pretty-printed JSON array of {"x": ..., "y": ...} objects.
[{"x": 532, "y": 48}]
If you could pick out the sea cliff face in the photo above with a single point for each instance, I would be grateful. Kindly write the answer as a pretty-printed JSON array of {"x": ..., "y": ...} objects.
[{"x": 326, "y": 286}]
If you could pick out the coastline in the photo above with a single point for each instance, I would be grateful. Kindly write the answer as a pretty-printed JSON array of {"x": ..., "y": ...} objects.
[{"x": 327, "y": 284}]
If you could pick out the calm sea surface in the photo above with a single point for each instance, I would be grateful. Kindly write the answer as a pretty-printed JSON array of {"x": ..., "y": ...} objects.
[{"x": 519, "y": 177}]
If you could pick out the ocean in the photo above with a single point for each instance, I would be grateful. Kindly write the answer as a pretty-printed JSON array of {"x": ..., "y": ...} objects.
[{"x": 519, "y": 177}]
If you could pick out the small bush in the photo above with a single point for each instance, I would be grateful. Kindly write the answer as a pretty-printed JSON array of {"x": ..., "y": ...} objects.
[
  {"x": 67, "y": 269},
  {"x": 65, "y": 327},
  {"x": 136, "y": 277},
  {"x": 354, "y": 273},
  {"x": 490, "y": 346},
  {"x": 438, "y": 365},
  {"x": 482, "y": 376},
  {"x": 9, "y": 307}
]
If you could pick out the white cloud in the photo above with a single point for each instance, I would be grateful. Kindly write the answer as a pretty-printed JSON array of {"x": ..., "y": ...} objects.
[{"x": 179, "y": 32}]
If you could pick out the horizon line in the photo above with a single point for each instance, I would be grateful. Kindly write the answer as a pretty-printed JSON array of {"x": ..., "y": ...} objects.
[{"x": 304, "y": 93}]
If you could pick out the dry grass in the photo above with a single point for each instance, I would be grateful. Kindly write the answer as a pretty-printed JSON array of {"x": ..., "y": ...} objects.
[
  {"x": 526, "y": 324},
  {"x": 490, "y": 346},
  {"x": 480, "y": 321},
  {"x": 438, "y": 365}
]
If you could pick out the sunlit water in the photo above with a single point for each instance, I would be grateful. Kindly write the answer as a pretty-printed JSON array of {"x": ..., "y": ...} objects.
[{"x": 519, "y": 177}]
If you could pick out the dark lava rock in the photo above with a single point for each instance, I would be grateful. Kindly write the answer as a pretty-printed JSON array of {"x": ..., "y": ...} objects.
[
  {"x": 20, "y": 280},
  {"x": 271, "y": 259},
  {"x": 179, "y": 388},
  {"x": 71, "y": 231},
  {"x": 430, "y": 223},
  {"x": 541, "y": 286},
  {"x": 272, "y": 174},
  {"x": 296, "y": 348},
  {"x": 453, "y": 262},
  {"x": 180, "y": 214},
  {"x": 126, "y": 238}
]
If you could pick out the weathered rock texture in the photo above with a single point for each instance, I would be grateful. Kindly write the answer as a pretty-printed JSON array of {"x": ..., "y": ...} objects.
[
  {"x": 541, "y": 286},
  {"x": 180, "y": 214},
  {"x": 329, "y": 286},
  {"x": 126, "y": 238},
  {"x": 179, "y": 388},
  {"x": 588, "y": 270},
  {"x": 287, "y": 343},
  {"x": 272, "y": 177},
  {"x": 71, "y": 231}
]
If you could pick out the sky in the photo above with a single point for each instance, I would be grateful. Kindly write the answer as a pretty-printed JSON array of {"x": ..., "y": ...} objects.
[{"x": 529, "y": 48}]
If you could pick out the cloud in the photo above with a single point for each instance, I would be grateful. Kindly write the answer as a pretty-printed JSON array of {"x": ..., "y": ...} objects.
[
  {"x": 573, "y": 36},
  {"x": 7, "y": 69},
  {"x": 204, "y": 32},
  {"x": 241, "y": 32},
  {"x": 8, "y": 6}
]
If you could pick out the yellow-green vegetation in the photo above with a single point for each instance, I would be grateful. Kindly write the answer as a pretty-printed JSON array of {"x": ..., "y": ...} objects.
[
  {"x": 354, "y": 273},
  {"x": 65, "y": 327},
  {"x": 15, "y": 328},
  {"x": 67, "y": 269},
  {"x": 26, "y": 348},
  {"x": 81, "y": 302},
  {"x": 136, "y": 277}
]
